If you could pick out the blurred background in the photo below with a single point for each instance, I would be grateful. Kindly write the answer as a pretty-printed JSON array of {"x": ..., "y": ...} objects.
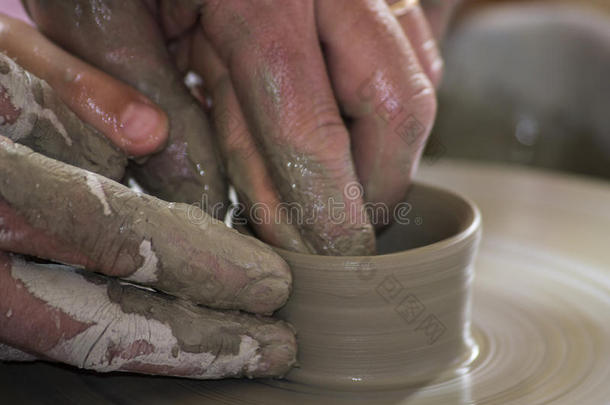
[{"x": 527, "y": 82}]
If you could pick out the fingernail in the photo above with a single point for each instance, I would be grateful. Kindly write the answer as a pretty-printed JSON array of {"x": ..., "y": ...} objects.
[{"x": 140, "y": 123}]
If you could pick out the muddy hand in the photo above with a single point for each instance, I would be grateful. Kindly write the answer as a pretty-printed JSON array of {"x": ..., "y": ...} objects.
[
  {"x": 80, "y": 218},
  {"x": 99, "y": 323},
  {"x": 90, "y": 321},
  {"x": 57, "y": 313},
  {"x": 123, "y": 39},
  {"x": 279, "y": 99}
]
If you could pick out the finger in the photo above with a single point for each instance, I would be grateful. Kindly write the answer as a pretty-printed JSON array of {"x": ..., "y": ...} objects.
[
  {"x": 275, "y": 63},
  {"x": 244, "y": 164},
  {"x": 109, "y": 228},
  {"x": 32, "y": 114},
  {"x": 415, "y": 25},
  {"x": 125, "y": 116},
  {"x": 133, "y": 49},
  {"x": 439, "y": 13},
  {"x": 66, "y": 315},
  {"x": 382, "y": 88}
]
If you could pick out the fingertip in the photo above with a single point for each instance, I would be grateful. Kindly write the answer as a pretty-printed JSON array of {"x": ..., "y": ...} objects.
[
  {"x": 144, "y": 128},
  {"x": 278, "y": 352},
  {"x": 271, "y": 288}
]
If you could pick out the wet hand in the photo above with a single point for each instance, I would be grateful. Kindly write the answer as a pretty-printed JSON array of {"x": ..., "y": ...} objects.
[
  {"x": 104, "y": 322},
  {"x": 320, "y": 107},
  {"x": 93, "y": 312}
]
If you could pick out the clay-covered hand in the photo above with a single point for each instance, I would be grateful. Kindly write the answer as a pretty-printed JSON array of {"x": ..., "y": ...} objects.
[
  {"x": 311, "y": 98},
  {"x": 53, "y": 211}
]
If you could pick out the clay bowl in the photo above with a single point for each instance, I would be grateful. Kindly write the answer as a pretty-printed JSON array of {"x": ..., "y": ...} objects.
[{"x": 394, "y": 320}]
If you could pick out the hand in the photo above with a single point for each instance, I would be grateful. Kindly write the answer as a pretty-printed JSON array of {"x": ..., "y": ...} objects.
[
  {"x": 53, "y": 211},
  {"x": 282, "y": 76}
]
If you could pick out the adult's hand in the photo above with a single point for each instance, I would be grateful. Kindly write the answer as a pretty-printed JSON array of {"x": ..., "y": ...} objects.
[
  {"x": 53, "y": 211},
  {"x": 50, "y": 210},
  {"x": 75, "y": 92},
  {"x": 310, "y": 98},
  {"x": 188, "y": 168}
]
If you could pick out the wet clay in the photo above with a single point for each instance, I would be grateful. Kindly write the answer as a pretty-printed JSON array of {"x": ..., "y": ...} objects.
[
  {"x": 129, "y": 329},
  {"x": 107, "y": 227},
  {"x": 122, "y": 39},
  {"x": 392, "y": 320},
  {"x": 284, "y": 232},
  {"x": 320, "y": 228},
  {"x": 539, "y": 314},
  {"x": 33, "y": 115}
]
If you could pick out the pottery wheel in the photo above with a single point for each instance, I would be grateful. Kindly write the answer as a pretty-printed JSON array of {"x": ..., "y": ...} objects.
[{"x": 541, "y": 315}]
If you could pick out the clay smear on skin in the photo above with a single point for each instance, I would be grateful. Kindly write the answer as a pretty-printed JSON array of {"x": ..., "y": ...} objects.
[
  {"x": 8, "y": 113},
  {"x": 116, "y": 331},
  {"x": 97, "y": 190},
  {"x": 147, "y": 273},
  {"x": 18, "y": 92},
  {"x": 188, "y": 254}
]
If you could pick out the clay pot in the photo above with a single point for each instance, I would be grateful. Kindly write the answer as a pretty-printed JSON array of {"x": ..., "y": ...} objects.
[{"x": 393, "y": 320}]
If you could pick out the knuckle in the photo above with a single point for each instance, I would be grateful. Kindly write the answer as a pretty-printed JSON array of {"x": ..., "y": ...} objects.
[
  {"x": 415, "y": 122},
  {"x": 318, "y": 132},
  {"x": 321, "y": 122},
  {"x": 422, "y": 100},
  {"x": 255, "y": 27}
]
